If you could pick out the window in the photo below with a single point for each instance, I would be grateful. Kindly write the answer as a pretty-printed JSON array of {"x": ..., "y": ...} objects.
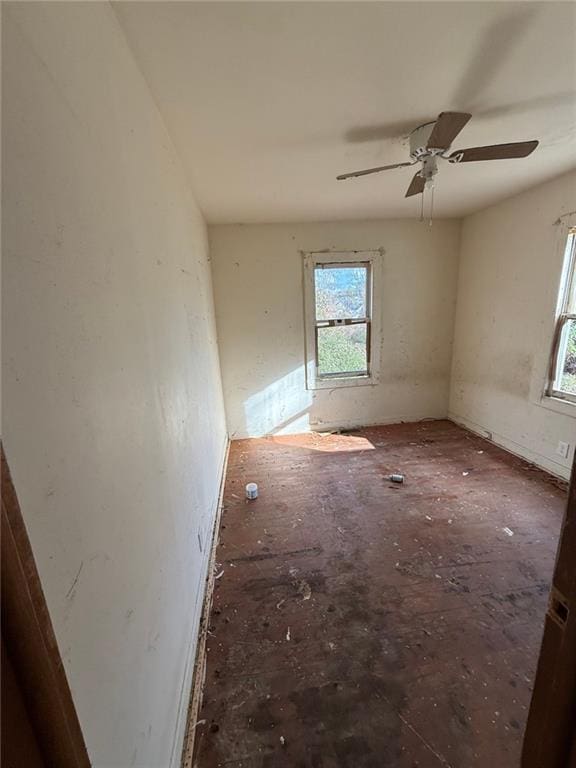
[
  {"x": 562, "y": 381},
  {"x": 340, "y": 318}
]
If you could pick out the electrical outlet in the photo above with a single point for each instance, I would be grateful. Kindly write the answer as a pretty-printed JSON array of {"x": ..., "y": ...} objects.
[{"x": 563, "y": 449}]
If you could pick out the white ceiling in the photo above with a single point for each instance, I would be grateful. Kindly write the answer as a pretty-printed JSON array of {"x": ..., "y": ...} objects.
[{"x": 268, "y": 102}]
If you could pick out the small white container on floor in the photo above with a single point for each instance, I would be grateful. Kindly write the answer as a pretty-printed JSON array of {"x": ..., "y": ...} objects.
[{"x": 251, "y": 491}]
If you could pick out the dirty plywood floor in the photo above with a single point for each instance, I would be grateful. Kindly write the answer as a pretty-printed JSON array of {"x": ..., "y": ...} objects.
[{"x": 360, "y": 624}]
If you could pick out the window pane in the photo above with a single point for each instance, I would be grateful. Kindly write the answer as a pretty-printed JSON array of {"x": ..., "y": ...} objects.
[
  {"x": 342, "y": 349},
  {"x": 567, "y": 367},
  {"x": 340, "y": 292},
  {"x": 570, "y": 279}
]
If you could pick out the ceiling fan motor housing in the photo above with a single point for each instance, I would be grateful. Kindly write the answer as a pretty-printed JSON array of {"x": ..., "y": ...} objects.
[
  {"x": 419, "y": 140},
  {"x": 419, "y": 151}
]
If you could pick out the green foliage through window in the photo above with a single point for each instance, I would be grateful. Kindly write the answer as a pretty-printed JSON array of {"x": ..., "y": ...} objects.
[{"x": 342, "y": 349}]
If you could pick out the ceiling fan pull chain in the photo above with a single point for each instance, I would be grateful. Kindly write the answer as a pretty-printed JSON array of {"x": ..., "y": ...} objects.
[
  {"x": 422, "y": 207},
  {"x": 431, "y": 206}
]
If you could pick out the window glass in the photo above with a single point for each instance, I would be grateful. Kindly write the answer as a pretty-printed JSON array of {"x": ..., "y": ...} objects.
[
  {"x": 563, "y": 363},
  {"x": 342, "y": 349},
  {"x": 340, "y": 292},
  {"x": 567, "y": 359},
  {"x": 571, "y": 281}
]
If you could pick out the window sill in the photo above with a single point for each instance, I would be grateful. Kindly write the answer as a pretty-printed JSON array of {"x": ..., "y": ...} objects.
[
  {"x": 344, "y": 381},
  {"x": 558, "y": 404}
]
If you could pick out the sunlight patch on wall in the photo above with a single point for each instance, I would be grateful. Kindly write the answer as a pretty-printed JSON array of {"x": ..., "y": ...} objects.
[{"x": 282, "y": 408}]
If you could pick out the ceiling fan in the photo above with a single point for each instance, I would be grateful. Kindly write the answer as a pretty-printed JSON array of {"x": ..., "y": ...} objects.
[{"x": 433, "y": 140}]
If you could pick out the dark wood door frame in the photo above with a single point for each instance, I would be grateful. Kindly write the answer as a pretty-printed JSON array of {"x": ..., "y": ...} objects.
[
  {"x": 549, "y": 741},
  {"x": 30, "y": 641}
]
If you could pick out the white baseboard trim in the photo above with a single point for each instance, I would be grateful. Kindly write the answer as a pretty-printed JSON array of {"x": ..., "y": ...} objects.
[
  {"x": 197, "y": 639},
  {"x": 544, "y": 462}
]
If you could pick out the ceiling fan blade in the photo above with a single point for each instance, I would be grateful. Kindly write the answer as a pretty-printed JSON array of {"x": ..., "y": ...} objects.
[
  {"x": 494, "y": 152},
  {"x": 353, "y": 174},
  {"x": 416, "y": 185},
  {"x": 448, "y": 126}
]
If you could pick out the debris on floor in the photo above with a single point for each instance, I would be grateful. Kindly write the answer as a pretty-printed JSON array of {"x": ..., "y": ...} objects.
[
  {"x": 251, "y": 491},
  {"x": 304, "y": 589}
]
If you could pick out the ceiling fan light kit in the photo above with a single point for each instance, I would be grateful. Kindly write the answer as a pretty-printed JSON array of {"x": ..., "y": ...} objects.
[{"x": 433, "y": 140}]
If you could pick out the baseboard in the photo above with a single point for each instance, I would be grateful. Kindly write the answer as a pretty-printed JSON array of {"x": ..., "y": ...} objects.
[
  {"x": 198, "y": 669},
  {"x": 197, "y": 637},
  {"x": 543, "y": 462}
]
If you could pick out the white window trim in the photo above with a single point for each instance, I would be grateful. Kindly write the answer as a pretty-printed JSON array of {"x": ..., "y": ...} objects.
[
  {"x": 311, "y": 259},
  {"x": 568, "y": 275}
]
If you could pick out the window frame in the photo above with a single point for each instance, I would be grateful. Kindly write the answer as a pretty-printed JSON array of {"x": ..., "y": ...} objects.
[
  {"x": 373, "y": 262},
  {"x": 563, "y": 316}
]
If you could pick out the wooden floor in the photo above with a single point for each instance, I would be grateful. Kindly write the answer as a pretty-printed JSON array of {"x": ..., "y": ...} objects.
[{"x": 361, "y": 624}]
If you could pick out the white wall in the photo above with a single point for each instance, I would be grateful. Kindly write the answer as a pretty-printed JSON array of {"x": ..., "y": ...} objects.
[
  {"x": 511, "y": 258},
  {"x": 257, "y": 273},
  {"x": 113, "y": 416}
]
